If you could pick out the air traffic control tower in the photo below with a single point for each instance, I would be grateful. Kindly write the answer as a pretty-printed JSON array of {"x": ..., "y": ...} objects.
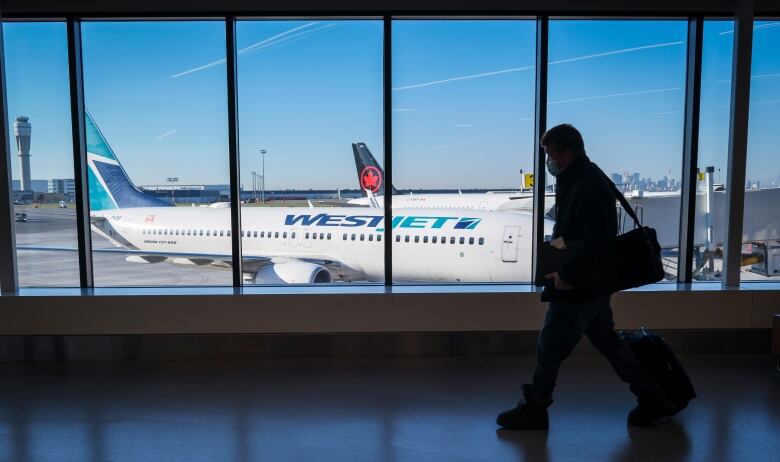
[{"x": 22, "y": 130}]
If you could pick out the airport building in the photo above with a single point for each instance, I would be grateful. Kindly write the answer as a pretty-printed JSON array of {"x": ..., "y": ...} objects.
[
  {"x": 65, "y": 186},
  {"x": 346, "y": 276},
  {"x": 184, "y": 194}
]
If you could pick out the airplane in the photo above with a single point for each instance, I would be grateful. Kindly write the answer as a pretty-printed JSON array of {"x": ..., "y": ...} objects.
[
  {"x": 653, "y": 208},
  {"x": 371, "y": 178},
  {"x": 283, "y": 245}
]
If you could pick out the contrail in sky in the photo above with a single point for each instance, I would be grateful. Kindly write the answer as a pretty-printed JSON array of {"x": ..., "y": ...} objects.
[
  {"x": 450, "y": 145},
  {"x": 465, "y": 77},
  {"x": 757, "y": 77},
  {"x": 159, "y": 137},
  {"x": 768, "y": 101},
  {"x": 617, "y": 52},
  {"x": 759, "y": 27},
  {"x": 528, "y": 68},
  {"x": 613, "y": 95},
  {"x": 276, "y": 39}
]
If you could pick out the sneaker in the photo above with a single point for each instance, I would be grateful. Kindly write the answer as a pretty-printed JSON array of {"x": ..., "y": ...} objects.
[
  {"x": 653, "y": 409},
  {"x": 525, "y": 416}
]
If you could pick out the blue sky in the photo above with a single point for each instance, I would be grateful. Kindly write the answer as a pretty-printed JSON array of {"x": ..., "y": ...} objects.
[{"x": 463, "y": 97}]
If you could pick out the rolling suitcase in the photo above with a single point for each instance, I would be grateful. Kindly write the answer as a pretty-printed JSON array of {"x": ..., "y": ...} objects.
[{"x": 657, "y": 357}]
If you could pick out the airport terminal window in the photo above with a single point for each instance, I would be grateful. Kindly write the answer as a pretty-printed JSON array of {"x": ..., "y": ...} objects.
[
  {"x": 155, "y": 93},
  {"x": 622, "y": 84},
  {"x": 761, "y": 222},
  {"x": 463, "y": 106},
  {"x": 308, "y": 90},
  {"x": 41, "y": 152}
]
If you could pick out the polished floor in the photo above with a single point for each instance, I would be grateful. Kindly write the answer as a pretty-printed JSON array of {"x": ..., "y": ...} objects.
[{"x": 359, "y": 410}]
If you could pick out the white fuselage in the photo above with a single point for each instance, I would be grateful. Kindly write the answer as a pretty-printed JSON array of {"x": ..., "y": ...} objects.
[
  {"x": 516, "y": 201},
  {"x": 429, "y": 244}
]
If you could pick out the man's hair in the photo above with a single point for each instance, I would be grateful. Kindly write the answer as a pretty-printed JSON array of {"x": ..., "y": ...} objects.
[{"x": 564, "y": 136}]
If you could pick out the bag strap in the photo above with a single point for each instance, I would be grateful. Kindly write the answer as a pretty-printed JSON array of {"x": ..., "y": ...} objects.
[{"x": 622, "y": 199}]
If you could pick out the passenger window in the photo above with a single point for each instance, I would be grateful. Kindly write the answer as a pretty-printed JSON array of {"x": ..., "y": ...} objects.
[
  {"x": 276, "y": 235},
  {"x": 344, "y": 236},
  {"x": 292, "y": 235},
  {"x": 242, "y": 233},
  {"x": 434, "y": 240},
  {"x": 416, "y": 239},
  {"x": 397, "y": 238},
  {"x": 452, "y": 240},
  {"x": 371, "y": 237},
  {"x": 221, "y": 233},
  {"x": 228, "y": 233},
  {"x": 255, "y": 234},
  {"x": 208, "y": 232},
  {"x": 406, "y": 238},
  {"x": 177, "y": 232},
  {"x": 481, "y": 240},
  {"x": 262, "y": 233},
  {"x": 462, "y": 240},
  {"x": 379, "y": 238},
  {"x": 353, "y": 237},
  {"x": 201, "y": 232},
  {"x": 471, "y": 241},
  {"x": 322, "y": 236},
  {"x": 328, "y": 236},
  {"x": 362, "y": 237},
  {"x": 306, "y": 236},
  {"x": 425, "y": 239},
  {"x": 314, "y": 235}
]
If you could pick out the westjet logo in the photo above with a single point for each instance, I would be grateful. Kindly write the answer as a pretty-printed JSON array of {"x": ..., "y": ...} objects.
[{"x": 373, "y": 221}]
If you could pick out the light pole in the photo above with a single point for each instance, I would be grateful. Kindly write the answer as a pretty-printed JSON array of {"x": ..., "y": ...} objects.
[
  {"x": 254, "y": 187},
  {"x": 172, "y": 179},
  {"x": 262, "y": 175}
]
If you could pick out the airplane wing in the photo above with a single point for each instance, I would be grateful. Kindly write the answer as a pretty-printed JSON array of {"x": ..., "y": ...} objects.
[
  {"x": 150, "y": 253},
  {"x": 252, "y": 263},
  {"x": 337, "y": 203}
]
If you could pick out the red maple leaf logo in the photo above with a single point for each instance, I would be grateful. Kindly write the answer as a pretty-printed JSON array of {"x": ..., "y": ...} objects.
[{"x": 371, "y": 179}]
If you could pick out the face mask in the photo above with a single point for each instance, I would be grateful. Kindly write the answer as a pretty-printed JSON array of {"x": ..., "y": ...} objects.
[{"x": 552, "y": 167}]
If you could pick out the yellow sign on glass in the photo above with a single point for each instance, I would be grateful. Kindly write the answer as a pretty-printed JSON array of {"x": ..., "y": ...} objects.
[
  {"x": 701, "y": 176},
  {"x": 528, "y": 180}
]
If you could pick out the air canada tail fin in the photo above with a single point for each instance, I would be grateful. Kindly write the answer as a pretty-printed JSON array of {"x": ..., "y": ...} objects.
[
  {"x": 109, "y": 186},
  {"x": 370, "y": 175}
]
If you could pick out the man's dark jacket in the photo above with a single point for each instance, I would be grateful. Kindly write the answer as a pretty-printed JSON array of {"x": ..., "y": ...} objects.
[{"x": 586, "y": 218}]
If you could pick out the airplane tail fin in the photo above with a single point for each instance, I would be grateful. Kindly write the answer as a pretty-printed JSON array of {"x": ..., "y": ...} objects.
[
  {"x": 109, "y": 186},
  {"x": 370, "y": 175}
]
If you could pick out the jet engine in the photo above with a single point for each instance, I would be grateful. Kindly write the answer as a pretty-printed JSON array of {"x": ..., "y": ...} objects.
[{"x": 293, "y": 272}]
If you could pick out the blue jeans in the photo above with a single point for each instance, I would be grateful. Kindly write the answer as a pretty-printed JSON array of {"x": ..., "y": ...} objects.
[{"x": 564, "y": 325}]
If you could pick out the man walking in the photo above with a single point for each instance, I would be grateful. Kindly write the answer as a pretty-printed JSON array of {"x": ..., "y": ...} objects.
[{"x": 586, "y": 220}]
